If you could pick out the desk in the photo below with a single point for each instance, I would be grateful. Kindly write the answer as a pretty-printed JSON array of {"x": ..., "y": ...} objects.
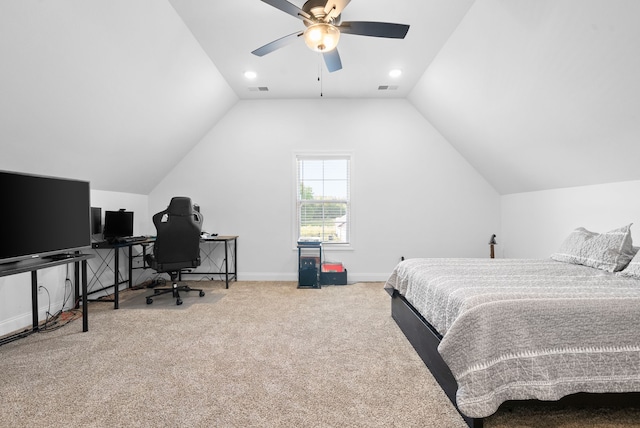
[
  {"x": 229, "y": 251},
  {"x": 33, "y": 266},
  {"x": 116, "y": 246}
]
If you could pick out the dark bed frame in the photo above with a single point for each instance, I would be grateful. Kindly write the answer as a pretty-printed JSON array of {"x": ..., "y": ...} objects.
[{"x": 425, "y": 340}]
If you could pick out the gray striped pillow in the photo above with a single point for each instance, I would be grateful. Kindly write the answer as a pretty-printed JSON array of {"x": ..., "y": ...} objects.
[
  {"x": 633, "y": 268},
  {"x": 610, "y": 251}
]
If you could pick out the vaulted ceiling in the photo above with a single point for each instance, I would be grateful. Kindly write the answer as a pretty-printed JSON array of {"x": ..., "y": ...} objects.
[
  {"x": 229, "y": 31},
  {"x": 535, "y": 94},
  {"x": 540, "y": 94}
]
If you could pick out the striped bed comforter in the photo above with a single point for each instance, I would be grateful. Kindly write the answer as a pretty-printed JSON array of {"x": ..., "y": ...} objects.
[{"x": 527, "y": 329}]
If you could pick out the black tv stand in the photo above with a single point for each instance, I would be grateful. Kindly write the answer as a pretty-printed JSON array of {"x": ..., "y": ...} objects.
[{"x": 32, "y": 266}]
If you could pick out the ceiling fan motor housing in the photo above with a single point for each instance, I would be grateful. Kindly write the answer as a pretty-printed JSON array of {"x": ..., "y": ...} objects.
[
  {"x": 315, "y": 8},
  {"x": 320, "y": 36}
]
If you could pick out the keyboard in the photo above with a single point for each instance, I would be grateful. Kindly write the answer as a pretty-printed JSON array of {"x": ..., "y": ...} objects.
[
  {"x": 107, "y": 243},
  {"x": 136, "y": 238},
  {"x": 129, "y": 239}
]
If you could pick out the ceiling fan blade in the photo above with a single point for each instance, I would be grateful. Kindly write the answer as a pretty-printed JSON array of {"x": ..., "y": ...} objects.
[
  {"x": 277, "y": 44},
  {"x": 332, "y": 60},
  {"x": 334, "y": 8},
  {"x": 374, "y": 29},
  {"x": 287, "y": 7}
]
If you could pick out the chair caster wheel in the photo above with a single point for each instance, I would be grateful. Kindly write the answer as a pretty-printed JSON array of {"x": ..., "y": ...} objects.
[
  {"x": 201, "y": 293},
  {"x": 149, "y": 300},
  {"x": 179, "y": 302}
]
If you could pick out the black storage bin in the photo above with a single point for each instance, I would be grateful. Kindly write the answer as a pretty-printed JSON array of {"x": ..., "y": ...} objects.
[{"x": 333, "y": 278}]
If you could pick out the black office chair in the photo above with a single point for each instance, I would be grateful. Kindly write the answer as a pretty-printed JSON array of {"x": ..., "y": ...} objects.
[{"x": 177, "y": 245}]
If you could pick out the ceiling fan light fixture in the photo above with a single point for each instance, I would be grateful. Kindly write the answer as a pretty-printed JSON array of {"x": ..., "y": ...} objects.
[{"x": 321, "y": 37}]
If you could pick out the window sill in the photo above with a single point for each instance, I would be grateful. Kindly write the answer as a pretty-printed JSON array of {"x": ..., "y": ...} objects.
[
  {"x": 333, "y": 247},
  {"x": 337, "y": 247}
]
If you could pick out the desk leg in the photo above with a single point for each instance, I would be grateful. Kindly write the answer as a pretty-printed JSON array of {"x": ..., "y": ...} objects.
[
  {"x": 226, "y": 262},
  {"x": 34, "y": 299},
  {"x": 116, "y": 275},
  {"x": 130, "y": 267},
  {"x": 76, "y": 285},
  {"x": 85, "y": 304},
  {"x": 235, "y": 259}
]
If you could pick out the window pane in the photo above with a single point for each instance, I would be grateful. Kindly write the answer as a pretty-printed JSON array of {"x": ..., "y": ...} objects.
[
  {"x": 335, "y": 169},
  {"x": 311, "y": 169},
  {"x": 305, "y": 192},
  {"x": 311, "y": 189},
  {"x": 336, "y": 190},
  {"x": 323, "y": 179},
  {"x": 327, "y": 221}
]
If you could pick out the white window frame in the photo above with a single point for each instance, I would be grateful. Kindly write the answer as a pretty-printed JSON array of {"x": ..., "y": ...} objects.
[{"x": 350, "y": 218}]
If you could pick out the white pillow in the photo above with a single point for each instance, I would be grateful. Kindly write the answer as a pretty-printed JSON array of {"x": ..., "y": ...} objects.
[
  {"x": 633, "y": 268},
  {"x": 610, "y": 251}
]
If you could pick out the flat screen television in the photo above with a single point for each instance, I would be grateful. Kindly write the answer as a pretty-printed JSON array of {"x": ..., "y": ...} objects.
[
  {"x": 118, "y": 224},
  {"x": 42, "y": 216}
]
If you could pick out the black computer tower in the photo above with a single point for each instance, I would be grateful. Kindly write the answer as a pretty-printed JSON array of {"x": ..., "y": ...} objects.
[
  {"x": 309, "y": 262},
  {"x": 308, "y": 277}
]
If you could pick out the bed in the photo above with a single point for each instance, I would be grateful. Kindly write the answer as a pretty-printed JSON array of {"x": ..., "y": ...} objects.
[{"x": 496, "y": 330}]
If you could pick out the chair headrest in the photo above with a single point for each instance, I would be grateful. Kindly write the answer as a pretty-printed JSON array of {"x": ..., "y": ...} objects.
[{"x": 180, "y": 205}]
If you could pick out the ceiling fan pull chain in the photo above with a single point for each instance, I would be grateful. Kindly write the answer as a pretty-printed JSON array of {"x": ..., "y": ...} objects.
[{"x": 320, "y": 73}]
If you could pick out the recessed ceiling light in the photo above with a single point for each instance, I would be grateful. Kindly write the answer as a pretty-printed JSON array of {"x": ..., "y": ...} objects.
[
  {"x": 250, "y": 74},
  {"x": 395, "y": 72}
]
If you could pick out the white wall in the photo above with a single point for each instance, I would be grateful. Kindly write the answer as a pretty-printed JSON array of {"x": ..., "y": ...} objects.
[
  {"x": 15, "y": 297},
  {"x": 113, "y": 201},
  {"x": 534, "y": 224},
  {"x": 413, "y": 194},
  {"x": 15, "y": 291}
]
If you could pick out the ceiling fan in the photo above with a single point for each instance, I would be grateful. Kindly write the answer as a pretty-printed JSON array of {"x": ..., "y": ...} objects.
[{"x": 322, "y": 19}]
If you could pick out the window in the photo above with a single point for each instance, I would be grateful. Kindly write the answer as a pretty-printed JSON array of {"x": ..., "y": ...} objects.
[{"x": 323, "y": 197}]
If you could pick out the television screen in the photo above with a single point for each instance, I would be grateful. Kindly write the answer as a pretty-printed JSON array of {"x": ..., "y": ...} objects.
[
  {"x": 118, "y": 224},
  {"x": 42, "y": 216}
]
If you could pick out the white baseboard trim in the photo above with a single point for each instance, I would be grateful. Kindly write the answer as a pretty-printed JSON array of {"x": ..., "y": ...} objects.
[
  {"x": 267, "y": 276},
  {"x": 24, "y": 321},
  {"x": 14, "y": 324},
  {"x": 279, "y": 276}
]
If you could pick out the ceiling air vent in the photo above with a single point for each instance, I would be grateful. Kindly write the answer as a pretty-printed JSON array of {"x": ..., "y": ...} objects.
[
  {"x": 259, "y": 89},
  {"x": 387, "y": 87}
]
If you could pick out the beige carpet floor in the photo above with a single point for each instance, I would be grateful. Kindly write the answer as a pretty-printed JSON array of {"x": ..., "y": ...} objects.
[{"x": 256, "y": 355}]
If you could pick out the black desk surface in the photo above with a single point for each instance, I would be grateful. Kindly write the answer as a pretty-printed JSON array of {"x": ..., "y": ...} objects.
[
  {"x": 124, "y": 243},
  {"x": 151, "y": 239}
]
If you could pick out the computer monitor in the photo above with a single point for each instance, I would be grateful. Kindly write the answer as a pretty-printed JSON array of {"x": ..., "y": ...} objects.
[
  {"x": 118, "y": 224},
  {"x": 96, "y": 220}
]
